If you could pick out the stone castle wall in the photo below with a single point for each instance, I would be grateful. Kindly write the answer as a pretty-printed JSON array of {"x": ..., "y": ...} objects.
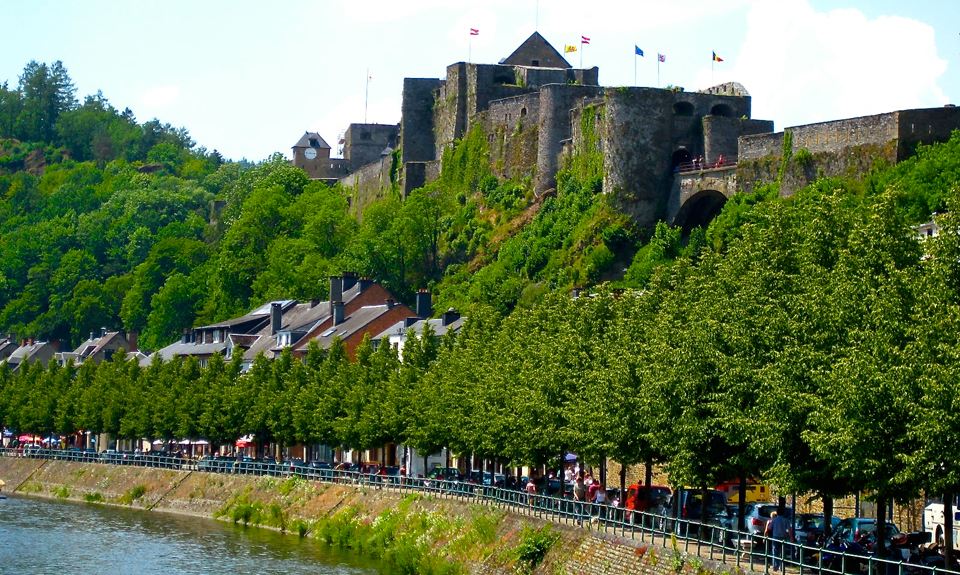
[
  {"x": 416, "y": 124},
  {"x": 554, "y": 126},
  {"x": 642, "y": 129},
  {"x": 925, "y": 126},
  {"x": 368, "y": 184},
  {"x": 511, "y": 128}
]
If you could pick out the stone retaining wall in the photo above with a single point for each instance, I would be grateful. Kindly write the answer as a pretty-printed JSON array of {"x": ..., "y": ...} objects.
[{"x": 578, "y": 551}]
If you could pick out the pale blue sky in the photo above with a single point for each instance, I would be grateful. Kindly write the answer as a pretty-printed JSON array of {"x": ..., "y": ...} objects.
[{"x": 247, "y": 78}]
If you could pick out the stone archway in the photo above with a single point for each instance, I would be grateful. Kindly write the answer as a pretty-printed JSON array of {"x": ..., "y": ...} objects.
[
  {"x": 699, "y": 210},
  {"x": 681, "y": 156}
]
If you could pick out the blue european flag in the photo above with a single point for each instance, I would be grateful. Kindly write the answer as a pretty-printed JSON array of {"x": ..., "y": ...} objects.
[{"x": 639, "y": 51}]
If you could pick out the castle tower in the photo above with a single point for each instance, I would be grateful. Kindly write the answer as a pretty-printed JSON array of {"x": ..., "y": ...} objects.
[
  {"x": 312, "y": 154},
  {"x": 536, "y": 52}
]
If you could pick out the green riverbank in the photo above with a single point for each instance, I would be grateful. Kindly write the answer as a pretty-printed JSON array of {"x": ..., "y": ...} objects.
[{"x": 413, "y": 533}]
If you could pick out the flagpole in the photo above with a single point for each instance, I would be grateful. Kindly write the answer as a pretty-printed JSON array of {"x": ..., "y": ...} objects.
[
  {"x": 581, "y": 54},
  {"x": 634, "y": 68},
  {"x": 366, "y": 99},
  {"x": 658, "y": 70},
  {"x": 470, "y": 49}
]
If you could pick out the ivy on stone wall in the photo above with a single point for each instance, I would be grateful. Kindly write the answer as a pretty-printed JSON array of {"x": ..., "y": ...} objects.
[
  {"x": 466, "y": 163},
  {"x": 586, "y": 163},
  {"x": 787, "y": 155}
]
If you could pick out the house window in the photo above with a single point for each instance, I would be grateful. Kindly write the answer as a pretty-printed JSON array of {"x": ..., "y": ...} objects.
[
  {"x": 216, "y": 336},
  {"x": 536, "y": 63}
]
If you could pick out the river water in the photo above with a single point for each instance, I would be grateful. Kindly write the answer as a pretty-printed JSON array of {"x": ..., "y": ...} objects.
[{"x": 39, "y": 536}]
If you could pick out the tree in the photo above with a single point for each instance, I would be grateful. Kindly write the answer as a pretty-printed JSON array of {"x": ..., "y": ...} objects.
[{"x": 47, "y": 92}]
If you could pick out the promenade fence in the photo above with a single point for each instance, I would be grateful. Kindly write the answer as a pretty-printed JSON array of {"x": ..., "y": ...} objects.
[{"x": 712, "y": 541}]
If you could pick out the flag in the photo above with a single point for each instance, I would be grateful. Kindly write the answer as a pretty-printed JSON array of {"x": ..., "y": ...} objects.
[
  {"x": 474, "y": 32},
  {"x": 717, "y": 58},
  {"x": 584, "y": 40},
  {"x": 568, "y": 49},
  {"x": 661, "y": 57},
  {"x": 639, "y": 51}
]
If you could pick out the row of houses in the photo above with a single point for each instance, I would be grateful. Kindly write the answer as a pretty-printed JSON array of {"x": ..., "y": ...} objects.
[{"x": 358, "y": 306}]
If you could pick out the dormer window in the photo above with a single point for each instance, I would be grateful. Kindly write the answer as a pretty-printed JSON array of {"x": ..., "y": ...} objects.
[
  {"x": 314, "y": 143},
  {"x": 216, "y": 336}
]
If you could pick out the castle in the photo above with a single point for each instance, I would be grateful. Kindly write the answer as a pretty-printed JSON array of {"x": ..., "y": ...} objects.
[{"x": 667, "y": 154}]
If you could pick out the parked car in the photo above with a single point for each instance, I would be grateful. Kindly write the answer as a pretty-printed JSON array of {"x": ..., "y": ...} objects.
[
  {"x": 294, "y": 466},
  {"x": 217, "y": 463},
  {"x": 445, "y": 473},
  {"x": 689, "y": 504},
  {"x": 756, "y": 516},
  {"x": 494, "y": 479},
  {"x": 636, "y": 500},
  {"x": 863, "y": 530},
  {"x": 808, "y": 527}
]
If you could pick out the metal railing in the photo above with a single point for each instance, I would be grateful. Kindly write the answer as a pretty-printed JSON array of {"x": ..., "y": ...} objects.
[
  {"x": 699, "y": 166},
  {"x": 716, "y": 540}
]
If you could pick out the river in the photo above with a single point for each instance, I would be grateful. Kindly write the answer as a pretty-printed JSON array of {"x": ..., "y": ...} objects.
[{"x": 40, "y": 536}]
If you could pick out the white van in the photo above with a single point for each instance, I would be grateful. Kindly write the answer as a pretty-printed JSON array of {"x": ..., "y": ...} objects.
[{"x": 933, "y": 523}]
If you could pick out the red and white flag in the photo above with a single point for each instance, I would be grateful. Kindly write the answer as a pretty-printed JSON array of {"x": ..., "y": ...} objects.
[
  {"x": 474, "y": 32},
  {"x": 584, "y": 40}
]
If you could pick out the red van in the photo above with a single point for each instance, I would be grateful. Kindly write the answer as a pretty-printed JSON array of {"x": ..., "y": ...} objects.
[{"x": 636, "y": 499}]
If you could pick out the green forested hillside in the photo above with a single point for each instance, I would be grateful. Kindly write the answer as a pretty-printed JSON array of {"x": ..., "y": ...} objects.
[{"x": 109, "y": 222}]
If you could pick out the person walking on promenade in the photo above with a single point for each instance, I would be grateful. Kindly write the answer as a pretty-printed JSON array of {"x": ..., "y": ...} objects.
[
  {"x": 779, "y": 530},
  {"x": 531, "y": 490}
]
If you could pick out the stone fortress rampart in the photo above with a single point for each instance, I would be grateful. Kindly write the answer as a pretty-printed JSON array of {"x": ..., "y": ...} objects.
[{"x": 530, "y": 107}]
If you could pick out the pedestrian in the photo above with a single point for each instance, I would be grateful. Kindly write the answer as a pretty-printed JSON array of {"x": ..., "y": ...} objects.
[
  {"x": 778, "y": 530},
  {"x": 531, "y": 489},
  {"x": 579, "y": 496},
  {"x": 600, "y": 498}
]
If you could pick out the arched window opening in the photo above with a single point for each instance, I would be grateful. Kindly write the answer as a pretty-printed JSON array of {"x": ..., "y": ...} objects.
[{"x": 683, "y": 109}]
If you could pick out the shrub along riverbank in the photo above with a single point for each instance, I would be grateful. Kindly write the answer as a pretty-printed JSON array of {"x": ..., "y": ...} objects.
[{"x": 410, "y": 533}]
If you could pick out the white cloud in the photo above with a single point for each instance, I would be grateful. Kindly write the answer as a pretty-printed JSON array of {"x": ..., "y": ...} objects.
[
  {"x": 350, "y": 111},
  {"x": 803, "y": 66},
  {"x": 161, "y": 97}
]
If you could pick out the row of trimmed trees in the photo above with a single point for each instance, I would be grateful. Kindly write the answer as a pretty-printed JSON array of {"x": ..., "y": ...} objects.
[{"x": 819, "y": 352}]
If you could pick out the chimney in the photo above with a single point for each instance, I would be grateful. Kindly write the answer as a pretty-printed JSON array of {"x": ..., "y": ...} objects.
[
  {"x": 31, "y": 341},
  {"x": 349, "y": 280},
  {"x": 407, "y": 322},
  {"x": 93, "y": 335},
  {"x": 339, "y": 310},
  {"x": 132, "y": 341},
  {"x": 364, "y": 283},
  {"x": 390, "y": 303},
  {"x": 185, "y": 336},
  {"x": 424, "y": 306},
  {"x": 103, "y": 332},
  {"x": 336, "y": 288},
  {"x": 449, "y": 317},
  {"x": 56, "y": 344},
  {"x": 575, "y": 292},
  {"x": 23, "y": 342},
  {"x": 276, "y": 313},
  {"x": 313, "y": 302}
]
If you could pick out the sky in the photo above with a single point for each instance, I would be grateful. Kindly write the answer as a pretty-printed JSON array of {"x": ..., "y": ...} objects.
[{"x": 248, "y": 78}]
